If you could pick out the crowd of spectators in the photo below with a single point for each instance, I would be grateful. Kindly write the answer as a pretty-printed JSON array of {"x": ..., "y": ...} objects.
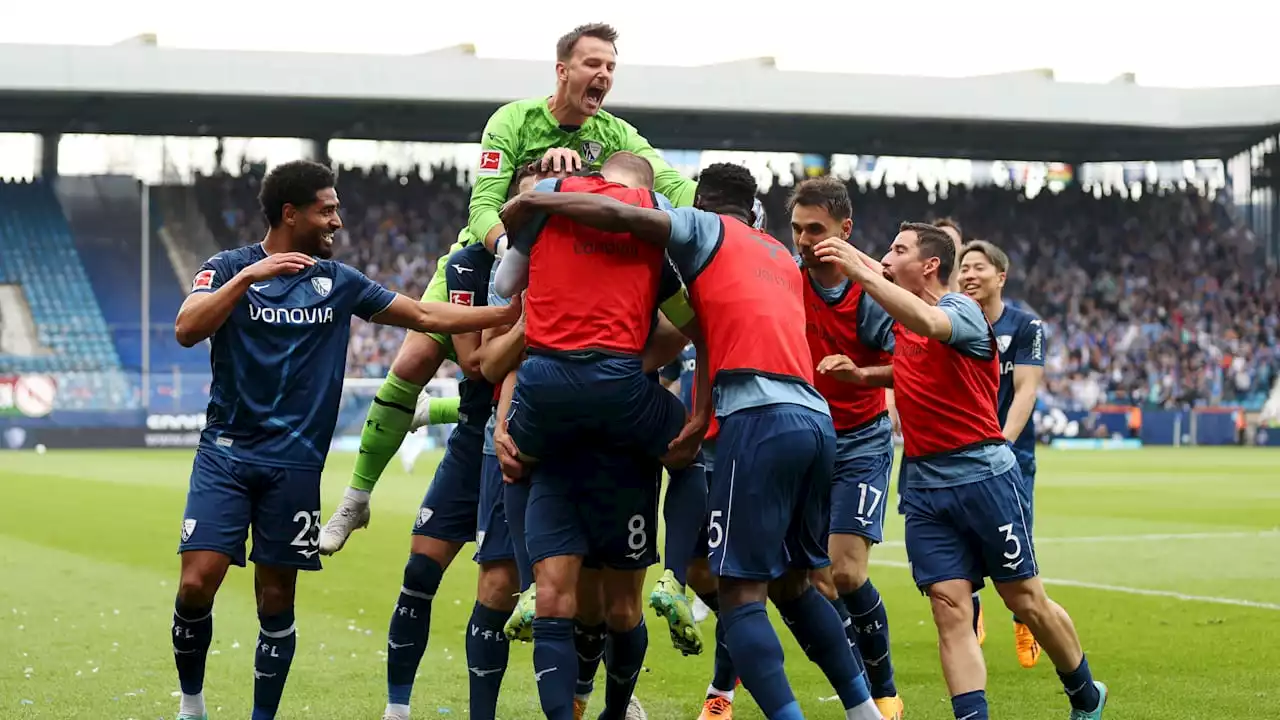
[{"x": 1161, "y": 301}]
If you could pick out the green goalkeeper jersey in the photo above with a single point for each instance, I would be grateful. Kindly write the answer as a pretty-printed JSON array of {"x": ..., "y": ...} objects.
[{"x": 522, "y": 131}]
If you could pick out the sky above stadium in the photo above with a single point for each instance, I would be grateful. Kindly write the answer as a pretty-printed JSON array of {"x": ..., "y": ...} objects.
[{"x": 1168, "y": 44}]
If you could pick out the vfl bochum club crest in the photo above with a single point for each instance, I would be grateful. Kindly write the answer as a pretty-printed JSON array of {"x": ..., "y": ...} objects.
[
  {"x": 591, "y": 152},
  {"x": 322, "y": 285},
  {"x": 1003, "y": 342}
]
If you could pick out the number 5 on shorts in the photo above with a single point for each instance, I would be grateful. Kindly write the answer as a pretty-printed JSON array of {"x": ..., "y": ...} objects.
[{"x": 715, "y": 531}]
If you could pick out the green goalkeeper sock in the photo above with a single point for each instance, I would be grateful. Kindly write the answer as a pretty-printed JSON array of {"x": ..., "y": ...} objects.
[
  {"x": 443, "y": 410},
  {"x": 384, "y": 429}
]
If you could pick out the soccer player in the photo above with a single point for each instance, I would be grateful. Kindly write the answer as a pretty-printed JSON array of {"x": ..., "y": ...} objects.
[
  {"x": 961, "y": 490},
  {"x": 953, "y": 231},
  {"x": 769, "y": 490},
  {"x": 584, "y": 382},
  {"x": 1020, "y": 343},
  {"x": 567, "y": 127},
  {"x": 852, "y": 335},
  {"x": 278, "y": 316}
]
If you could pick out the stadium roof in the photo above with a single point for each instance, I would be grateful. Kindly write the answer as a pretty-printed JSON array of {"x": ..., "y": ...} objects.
[{"x": 446, "y": 96}]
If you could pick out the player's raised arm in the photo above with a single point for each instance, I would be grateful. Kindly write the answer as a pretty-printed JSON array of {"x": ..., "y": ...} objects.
[
  {"x": 212, "y": 298},
  {"x": 902, "y": 305},
  {"x": 498, "y": 159},
  {"x": 597, "y": 211},
  {"x": 445, "y": 317}
]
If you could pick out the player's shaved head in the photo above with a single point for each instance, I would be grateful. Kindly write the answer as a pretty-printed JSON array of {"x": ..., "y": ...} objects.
[
  {"x": 569, "y": 41},
  {"x": 628, "y": 168},
  {"x": 827, "y": 193},
  {"x": 726, "y": 188}
]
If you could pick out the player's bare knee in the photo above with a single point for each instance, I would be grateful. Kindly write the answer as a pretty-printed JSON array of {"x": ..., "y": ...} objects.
[
  {"x": 197, "y": 590},
  {"x": 849, "y": 558},
  {"x": 735, "y": 592},
  {"x": 498, "y": 585},
  {"x": 952, "y": 605},
  {"x": 823, "y": 581},
  {"x": 274, "y": 589},
  {"x": 1026, "y": 599},
  {"x": 442, "y": 552},
  {"x": 622, "y": 612},
  {"x": 557, "y": 582},
  {"x": 418, "y": 359}
]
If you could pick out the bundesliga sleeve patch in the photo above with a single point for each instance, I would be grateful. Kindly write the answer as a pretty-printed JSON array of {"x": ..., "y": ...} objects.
[
  {"x": 490, "y": 162},
  {"x": 461, "y": 297},
  {"x": 203, "y": 281}
]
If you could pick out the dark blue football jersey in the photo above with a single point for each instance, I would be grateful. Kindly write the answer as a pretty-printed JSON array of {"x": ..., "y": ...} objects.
[
  {"x": 1020, "y": 340},
  {"x": 467, "y": 277},
  {"x": 279, "y": 359}
]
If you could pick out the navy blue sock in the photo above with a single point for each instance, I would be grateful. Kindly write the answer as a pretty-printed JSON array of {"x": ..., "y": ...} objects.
[
  {"x": 555, "y": 666},
  {"x": 515, "y": 497},
  {"x": 757, "y": 655},
  {"x": 871, "y": 625},
  {"x": 277, "y": 641},
  {"x": 487, "y": 651},
  {"x": 977, "y": 608},
  {"x": 970, "y": 705},
  {"x": 850, "y": 633},
  {"x": 816, "y": 626},
  {"x": 410, "y": 626},
  {"x": 623, "y": 661},
  {"x": 588, "y": 642},
  {"x": 192, "y": 633},
  {"x": 723, "y": 678},
  {"x": 685, "y": 513},
  {"x": 1080, "y": 689}
]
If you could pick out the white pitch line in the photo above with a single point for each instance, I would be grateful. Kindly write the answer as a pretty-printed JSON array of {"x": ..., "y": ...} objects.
[
  {"x": 1150, "y": 537},
  {"x": 1130, "y": 590}
]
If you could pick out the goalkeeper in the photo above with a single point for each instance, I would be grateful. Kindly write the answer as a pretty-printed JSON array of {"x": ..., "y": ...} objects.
[{"x": 568, "y": 131}]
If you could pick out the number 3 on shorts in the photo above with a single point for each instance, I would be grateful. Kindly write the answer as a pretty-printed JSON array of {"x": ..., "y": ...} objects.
[
  {"x": 309, "y": 534},
  {"x": 1010, "y": 537},
  {"x": 637, "y": 538},
  {"x": 715, "y": 531}
]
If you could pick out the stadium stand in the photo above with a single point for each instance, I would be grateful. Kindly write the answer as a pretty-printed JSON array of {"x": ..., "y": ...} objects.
[
  {"x": 71, "y": 338},
  {"x": 1205, "y": 334}
]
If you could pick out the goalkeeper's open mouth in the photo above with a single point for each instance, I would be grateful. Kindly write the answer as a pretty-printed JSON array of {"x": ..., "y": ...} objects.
[{"x": 593, "y": 98}]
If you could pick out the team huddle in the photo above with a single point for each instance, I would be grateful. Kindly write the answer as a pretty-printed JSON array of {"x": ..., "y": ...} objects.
[{"x": 591, "y": 280}]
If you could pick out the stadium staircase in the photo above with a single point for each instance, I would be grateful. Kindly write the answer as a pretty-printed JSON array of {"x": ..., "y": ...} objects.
[
  {"x": 66, "y": 332},
  {"x": 182, "y": 228},
  {"x": 104, "y": 214}
]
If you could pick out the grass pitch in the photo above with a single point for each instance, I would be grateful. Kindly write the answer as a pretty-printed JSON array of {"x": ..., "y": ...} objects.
[{"x": 1167, "y": 559}]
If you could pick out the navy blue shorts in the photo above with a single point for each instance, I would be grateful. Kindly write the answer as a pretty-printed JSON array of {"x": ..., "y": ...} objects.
[
  {"x": 1029, "y": 489},
  {"x": 600, "y": 506},
  {"x": 493, "y": 537},
  {"x": 227, "y": 497},
  {"x": 769, "y": 500},
  {"x": 860, "y": 489},
  {"x": 562, "y": 404},
  {"x": 970, "y": 532},
  {"x": 451, "y": 505}
]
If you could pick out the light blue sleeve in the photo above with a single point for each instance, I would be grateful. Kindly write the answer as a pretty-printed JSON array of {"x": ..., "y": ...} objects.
[
  {"x": 970, "y": 332},
  {"x": 694, "y": 236},
  {"x": 663, "y": 202},
  {"x": 511, "y": 275},
  {"x": 494, "y": 298},
  {"x": 875, "y": 327},
  {"x": 546, "y": 185}
]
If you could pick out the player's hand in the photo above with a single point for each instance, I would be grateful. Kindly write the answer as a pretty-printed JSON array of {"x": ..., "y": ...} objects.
[
  {"x": 683, "y": 450},
  {"x": 560, "y": 160},
  {"x": 278, "y": 264},
  {"x": 852, "y": 261},
  {"x": 513, "y": 312},
  {"x": 516, "y": 212},
  {"x": 841, "y": 368},
  {"x": 508, "y": 454}
]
